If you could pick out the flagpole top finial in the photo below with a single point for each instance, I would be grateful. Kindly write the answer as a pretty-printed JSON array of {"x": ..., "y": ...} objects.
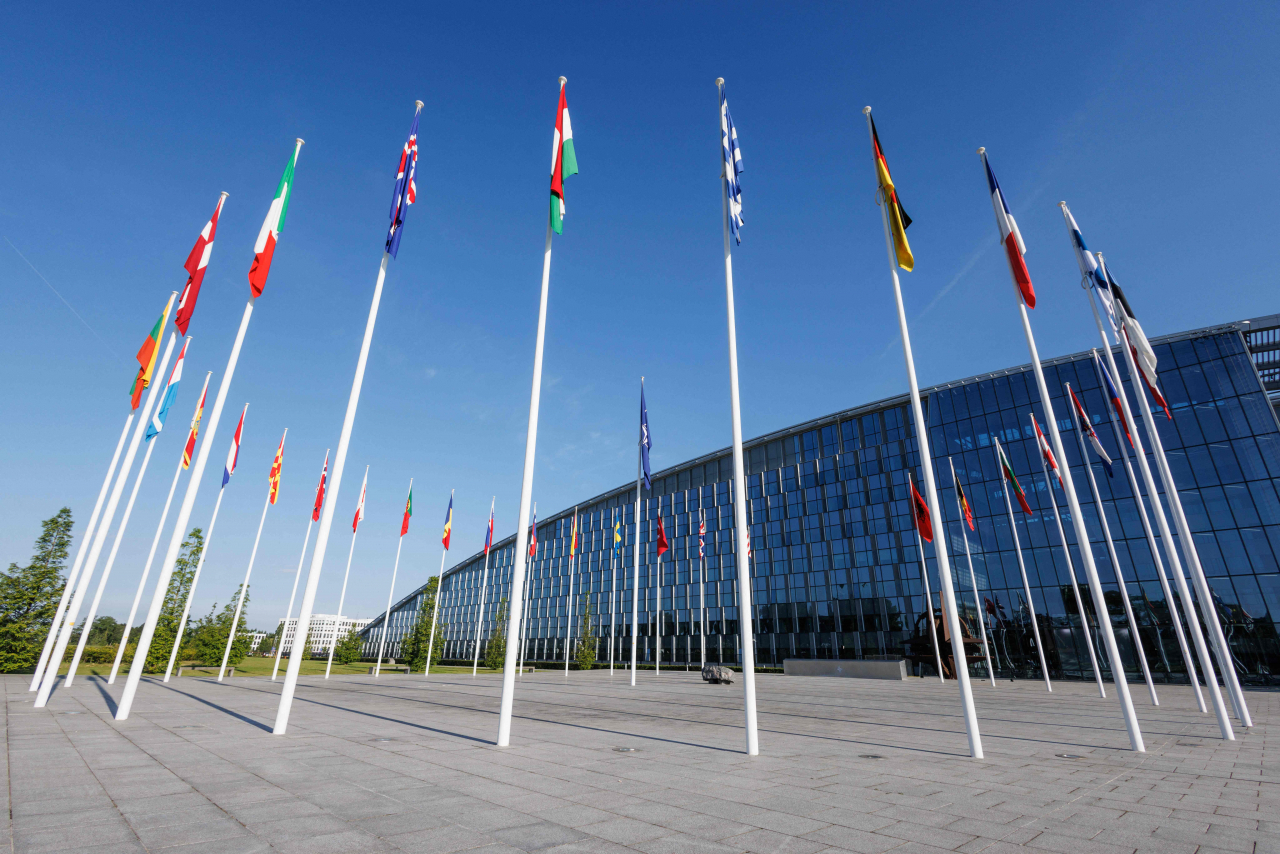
[
  {"x": 1062, "y": 204},
  {"x": 225, "y": 194},
  {"x": 300, "y": 141},
  {"x": 563, "y": 80},
  {"x": 719, "y": 81},
  {"x": 419, "y": 104},
  {"x": 982, "y": 149},
  {"x": 866, "y": 111}
]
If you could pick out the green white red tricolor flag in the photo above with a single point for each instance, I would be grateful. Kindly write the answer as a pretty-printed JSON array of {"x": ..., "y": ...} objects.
[
  {"x": 563, "y": 162},
  {"x": 265, "y": 248}
]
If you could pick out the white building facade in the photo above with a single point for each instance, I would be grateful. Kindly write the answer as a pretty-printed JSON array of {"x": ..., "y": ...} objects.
[{"x": 325, "y": 630}]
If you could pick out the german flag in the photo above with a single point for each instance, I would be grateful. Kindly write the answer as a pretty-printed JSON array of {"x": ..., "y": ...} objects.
[
  {"x": 899, "y": 222},
  {"x": 920, "y": 510},
  {"x": 964, "y": 506}
]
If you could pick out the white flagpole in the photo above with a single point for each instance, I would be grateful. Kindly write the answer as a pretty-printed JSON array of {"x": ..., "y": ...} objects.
[
  {"x": 386, "y": 619},
  {"x": 742, "y": 529},
  {"x": 342, "y": 597},
  {"x": 568, "y": 605},
  {"x": 973, "y": 578},
  {"x": 195, "y": 580},
  {"x": 284, "y": 626},
  {"x": 1026, "y": 586},
  {"x": 635, "y": 562},
  {"x": 1115, "y": 560},
  {"x": 702, "y": 584},
  {"x": 613, "y": 586},
  {"x": 100, "y": 535},
  {"x": 657, "y": 626},
  {"x": 1071, "y": 571},
  {"x": 524, "y": 610},
  {"x": 435, "y": 612},
  {"x": 244, "y": 587},
  {"x": 928, "y": 606},
  {"x": 950, "y": 613},
  {"x": 155, "y": 542},
  {"x": 484, "y": 584},
  {"x": 106, "y": 571},
  {"x": 87, "y": 537}
]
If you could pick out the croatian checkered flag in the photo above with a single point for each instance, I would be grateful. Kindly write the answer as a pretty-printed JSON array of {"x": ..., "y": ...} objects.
[{"x": 732, "y": 165}]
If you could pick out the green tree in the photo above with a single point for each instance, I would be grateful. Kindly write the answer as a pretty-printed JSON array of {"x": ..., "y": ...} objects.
[
  {"x": 585, "y": 650},
  {"x": 29, "y": 596},
  {"x": 106, "y": 631},
  {"x": 417, "y": 645},
  {"x": 184, "y": 569},
  {"x": 208, "y": 637},
  {"x": 495, "y": 653},
  {"x": 349, "y": 648}
]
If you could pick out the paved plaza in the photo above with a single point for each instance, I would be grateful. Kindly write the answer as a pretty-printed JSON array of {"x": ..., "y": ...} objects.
[{"x": 402, "y": 764}]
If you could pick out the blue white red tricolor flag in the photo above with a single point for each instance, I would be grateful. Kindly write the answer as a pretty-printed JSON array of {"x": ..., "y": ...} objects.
[
  {"x": 1010, "y": 237},
  {"x": 170, "y": 394},
  {"x": 406, "y": 192},
  {"x": 234, "y": 454},
  {"x": 1046, "y": 451},
  {"x": 1114, "y": 395},
  {"x": 732, "y": 166},
  {"x": 1087, "y": 428}
]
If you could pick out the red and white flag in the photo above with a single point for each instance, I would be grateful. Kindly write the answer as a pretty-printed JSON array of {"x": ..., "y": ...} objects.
[
  {"x": 319, "y": 505},
  {"x": 1010, "y": 237},
  {"x": 196, "y": 263},
  {"x": 1046, "y": 451},
  {"x": 355, "y": 523}
]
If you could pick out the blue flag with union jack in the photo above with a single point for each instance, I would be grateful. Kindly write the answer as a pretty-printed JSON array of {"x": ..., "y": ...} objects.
[{"x": 406, "y": 193}]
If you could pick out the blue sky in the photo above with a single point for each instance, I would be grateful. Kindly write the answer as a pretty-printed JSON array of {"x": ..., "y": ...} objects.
[{"x": 1156, "y": 122}]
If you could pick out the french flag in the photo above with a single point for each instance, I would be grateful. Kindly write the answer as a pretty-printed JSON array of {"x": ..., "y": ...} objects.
[{"x": 1014, "y": 248}]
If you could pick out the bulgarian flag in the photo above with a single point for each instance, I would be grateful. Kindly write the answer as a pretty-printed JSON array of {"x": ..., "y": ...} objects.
[
  {"x": 1007, "y": 469},
  {"x": 147, "y": 357},
  {"x": 265, "y": 248},
  {"x": 563, "y": 161}
]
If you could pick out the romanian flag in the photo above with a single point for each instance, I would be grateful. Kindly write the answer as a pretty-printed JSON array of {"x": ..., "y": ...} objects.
[
  {"x": 265, "y": 247},
  {"x": 147, "y": 357},
  {"x": 899, "y": 222},
  {"x": 324, "y": 476},
  {"x": 359, "y": 517},
  {"x": 1013, "y": 481},
  {"x": 964, "y": 506},
  {"x": 189, "y": 450},
  {"x": 276, "y": 465},
  {"x": 448, "y": 524},
  {"x": 408, "y": 511},
  {"x": 563, "y": 161},
  {"x": 663, "y": 545},
  {"x": 920, "y": 510}
]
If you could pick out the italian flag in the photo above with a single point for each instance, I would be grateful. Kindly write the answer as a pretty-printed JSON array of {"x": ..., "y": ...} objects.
[
  {"x": 563, "y": 162},
  {"x": 265, "y": 248},
  {"x": 147, "y": 357}
]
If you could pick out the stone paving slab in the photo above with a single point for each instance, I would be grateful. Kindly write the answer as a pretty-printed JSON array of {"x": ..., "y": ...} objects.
[{"x": 404, "y": 764}]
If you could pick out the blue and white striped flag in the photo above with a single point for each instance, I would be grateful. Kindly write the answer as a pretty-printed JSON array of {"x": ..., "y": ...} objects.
[{"x": 732, "y": 165}]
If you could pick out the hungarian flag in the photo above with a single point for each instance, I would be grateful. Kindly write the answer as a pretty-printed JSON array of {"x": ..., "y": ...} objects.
[
  {"x": 359, "y": 517},
  {"x": 920, "y": 511},
  {"x": 265, "y": 247},
  {"x": 899, "y": 222},
  {"x": 406, "y": 191},
  {"x": 1014, "y": 248},
  {"x": 196, "y": 262},
  {"x": 563, "y": 161},
  {"x": 1087, "y": 427},
  {"x": 964, "y": 506},
  {"x": 408, "y": 511},
  {"x": 1046, "y": 451},
  {"x": 533, "y": 533},
  {"x": 276, "y": 466},
  {"x": 1143, "y": 354},
  {"x": 488, "y": 534},
  {"x": 189, "y": 450},
  {"x": 1114, "y": 394},
  {"x": 448, "y": 524},
  {"x": 319, "y": 505},
  {"x": 234, "y": 453},
  {"x": 663, "y": 545},
  {"x": 1013, "y": 481},
  {"x": 147, "y": 357},
  {"x": 170, "y": 394}
]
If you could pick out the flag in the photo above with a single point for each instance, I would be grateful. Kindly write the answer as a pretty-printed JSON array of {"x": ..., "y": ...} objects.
[
  {"x": 1089, "y": 268},
  {"x": 488, "y": 534},
  {"x": 1009, "y": 476},
  {"x": 189, "y": 450},
  {"x": 1114, "y": 394},
  {"x": 573, "y": 540},
  {"x": 1046, "y": 451},
  {"x": 147, "y": 357},
  {"x": 617, "y": 535},
  {"x": 274, "y": 477},
  {"x": 533, "y": 533},
  {"x": 234, "y": 453},
  {"x": 646, "y": 443},
  {"x": 408, "y": 511},
  {"x": 406, "y": 192},
  {"x": 663, "y": 545},
  {"x": 920, "y": 511},
  {"x": 265, "y": 247},
  {"x": 319, "y": 504},
  {"x": 1087, "y": 427},
  {"x": 170, "y": 394},
  {"x": 702, "y": 535},
  {"x": 1014, "y": 248},
  {"x": 196, "y": 263},
  {"x": 899, "y": 222},
  {"x": 448, "y": 519},
  {"x": 1143, "y": 354},
  {"x": 731, "y": 166},
  {"x": 964, "y": 506},
  {"x": 359, "y": 517},
  {"x": 563, "y": 161}
]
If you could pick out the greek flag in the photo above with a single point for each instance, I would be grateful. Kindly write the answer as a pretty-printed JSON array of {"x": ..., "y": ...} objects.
[{"x": 732, "y": 165}]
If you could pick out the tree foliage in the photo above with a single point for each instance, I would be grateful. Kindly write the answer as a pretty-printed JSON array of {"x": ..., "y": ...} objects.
[
  {"x": 207, "y": 637},
  {"x": 585, "y": 650},
  {"x": 184, "y": 570},
  {"x": 495, "y": 653},
  {"x": 418, "y": 644},
  {"x": 29, "y": 595},
  {"x": 349, "y": 649}
]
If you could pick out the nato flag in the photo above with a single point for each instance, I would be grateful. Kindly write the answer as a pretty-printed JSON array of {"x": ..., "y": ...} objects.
[{"x": 645, "y": 442}]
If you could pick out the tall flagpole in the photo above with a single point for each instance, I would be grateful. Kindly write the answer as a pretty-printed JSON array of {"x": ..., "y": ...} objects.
[
  {"x": 1071, "y": 571},
  {"x": 342, "y": 597},
  {"x": 195, "y": 580},
  {"x": 635, "y": 555},
  {"x": 524, "y": 606},
  {"x": 1022, "y": 568},
  {"x": 568, "y": 607},
  {"x": 391, "y": 591},
  {"x": 657, "y": 626},
  {"x": 52, "y": 637},
  {"x": 702, "y": 583},
  {"x": 973, "y": 578},
  {"x": 284, "y": 625},
  {"x": 928, "y": 602},
  {"x": 484, "y": 584},
  {"x": 742, "y": 530},
  {"x": 435, "y": 610},
  {"x": 100, "y": 535},
  {"x": 155, "y": 542},
  {"x": 613, "y": 587},
  {"x": 950, "y": 613}
]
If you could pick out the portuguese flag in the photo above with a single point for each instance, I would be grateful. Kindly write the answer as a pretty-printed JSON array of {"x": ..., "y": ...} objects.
[
  {"x": 408, "y": 511},
  {"x": 563, "y": 162},
  {"x": 1013, "y": 481},
  {"x": 265, "y": 248},
  {"x": 147, "y": 357}
]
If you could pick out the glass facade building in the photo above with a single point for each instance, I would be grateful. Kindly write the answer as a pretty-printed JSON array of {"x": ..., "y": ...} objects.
[{"x": 835, "y": 569}]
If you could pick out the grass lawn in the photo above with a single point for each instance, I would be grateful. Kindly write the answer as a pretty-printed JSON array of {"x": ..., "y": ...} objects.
[{"x": 259, "y": 666}]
